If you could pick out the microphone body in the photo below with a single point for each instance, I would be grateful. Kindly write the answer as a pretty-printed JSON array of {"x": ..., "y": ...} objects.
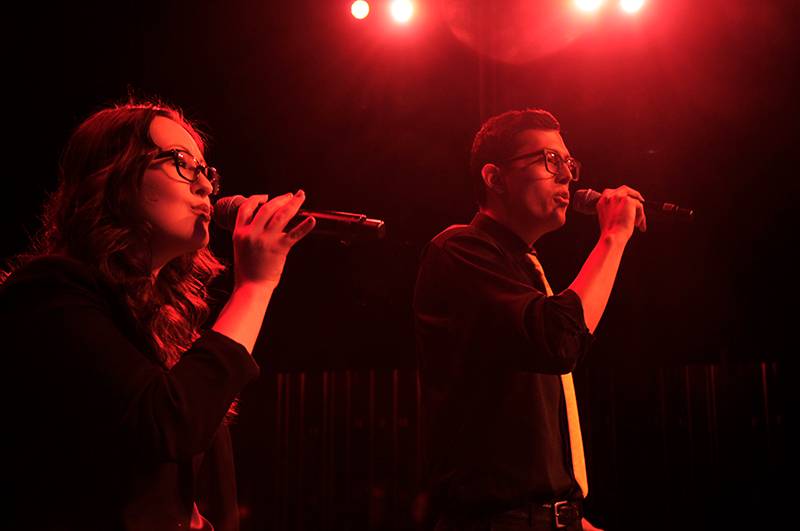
[
  {"x": 585, "y": 202},
  {"x": 344, "y": 226}
]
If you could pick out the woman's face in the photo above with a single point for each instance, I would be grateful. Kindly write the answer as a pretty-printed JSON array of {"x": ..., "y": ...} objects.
[{"x": 178, "y": 210}]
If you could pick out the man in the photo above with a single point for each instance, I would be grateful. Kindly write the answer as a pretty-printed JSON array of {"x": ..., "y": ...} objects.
[{"x": 496, "y": 347}]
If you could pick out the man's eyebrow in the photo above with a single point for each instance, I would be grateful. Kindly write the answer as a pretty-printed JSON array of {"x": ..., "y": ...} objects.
[{"x": 562, "y": 155}]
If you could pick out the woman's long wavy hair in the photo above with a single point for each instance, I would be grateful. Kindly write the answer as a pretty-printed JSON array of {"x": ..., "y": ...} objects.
[{"x": 94, "y": 217}]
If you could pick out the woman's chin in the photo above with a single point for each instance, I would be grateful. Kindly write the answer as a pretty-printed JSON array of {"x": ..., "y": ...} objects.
[{"x": 201, "y": 235}]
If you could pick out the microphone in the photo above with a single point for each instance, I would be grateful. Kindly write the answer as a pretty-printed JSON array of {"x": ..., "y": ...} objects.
[
  {"x": 585, "y": 202},
  {"x": 345, "y": 226}
]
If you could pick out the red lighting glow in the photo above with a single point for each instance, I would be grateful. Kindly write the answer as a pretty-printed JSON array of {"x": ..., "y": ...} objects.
[
  {"x": 402, "y": 10},
  {"x": 360, "y": 9},
  {"x": 589, "y": 5},
  {"x": 631, "y": 6}
]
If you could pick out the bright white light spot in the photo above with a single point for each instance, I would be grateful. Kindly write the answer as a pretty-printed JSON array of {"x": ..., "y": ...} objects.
[
  {"x": 402, "y": 10},
  {"x": 360, "y": 9},
  {"x": 589, "y": 5},
  {"x": 631, "y": 6}
]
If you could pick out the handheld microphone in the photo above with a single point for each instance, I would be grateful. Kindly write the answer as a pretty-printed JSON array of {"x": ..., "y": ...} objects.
[
  {"x": 585, "y": 202},
  {"x": 344, "y": 226}
]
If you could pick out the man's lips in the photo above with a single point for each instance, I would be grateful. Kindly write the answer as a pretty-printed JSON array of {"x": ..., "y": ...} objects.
[{"x": 562, "y": 198}]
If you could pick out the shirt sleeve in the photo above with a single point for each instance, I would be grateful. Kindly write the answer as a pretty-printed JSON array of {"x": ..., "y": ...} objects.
[
  {"x": 71, "y": 342},
  {"x": 483, "y": 299}
]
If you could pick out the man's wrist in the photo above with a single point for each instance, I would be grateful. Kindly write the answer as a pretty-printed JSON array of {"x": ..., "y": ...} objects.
[{"x": 614, "y": 240}]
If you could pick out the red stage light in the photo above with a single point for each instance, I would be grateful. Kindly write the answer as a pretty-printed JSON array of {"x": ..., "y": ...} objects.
[
  {"x": 360, "y": 9},
  {"x": 589, "y": 5},
  {"x": 631, "y": 6},
  {"x": 402, "y": 10}
]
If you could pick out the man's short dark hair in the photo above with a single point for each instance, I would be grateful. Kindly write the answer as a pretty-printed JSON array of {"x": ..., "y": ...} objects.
[{"x": 495, "y": 140}]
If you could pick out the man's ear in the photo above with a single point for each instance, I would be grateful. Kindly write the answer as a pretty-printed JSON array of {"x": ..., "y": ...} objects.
[{"x": 492, "y": 178}]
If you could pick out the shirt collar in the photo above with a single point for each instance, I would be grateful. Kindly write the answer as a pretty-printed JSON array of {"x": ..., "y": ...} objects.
[{"x": 505, "y": 236}]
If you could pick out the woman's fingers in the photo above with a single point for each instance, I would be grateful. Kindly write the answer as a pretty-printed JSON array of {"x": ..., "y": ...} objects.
[
  {"x": 285, "y": 212},
  {"x": 265, "y": 213},
  {"x": 274, "y": 215},
  {"x": 300, "y": 231},
  {"x": 245, "y": 213}
]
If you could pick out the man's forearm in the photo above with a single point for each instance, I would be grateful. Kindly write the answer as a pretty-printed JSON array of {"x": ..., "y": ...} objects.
[{"x": 596, "y": 278}]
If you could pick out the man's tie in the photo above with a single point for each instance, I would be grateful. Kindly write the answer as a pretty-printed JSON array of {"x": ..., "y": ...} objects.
[{"x": 573, "y": 422}]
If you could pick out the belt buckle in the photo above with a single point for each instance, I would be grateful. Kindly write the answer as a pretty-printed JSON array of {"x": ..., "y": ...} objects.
[{"x": 569, "y": 516}]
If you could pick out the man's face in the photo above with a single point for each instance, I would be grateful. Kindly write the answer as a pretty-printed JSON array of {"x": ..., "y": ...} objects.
[{"x": 532, "y": 195}]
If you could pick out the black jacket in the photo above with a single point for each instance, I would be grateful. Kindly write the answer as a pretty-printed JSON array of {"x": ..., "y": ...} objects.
[{"x": 102, "y": 436}]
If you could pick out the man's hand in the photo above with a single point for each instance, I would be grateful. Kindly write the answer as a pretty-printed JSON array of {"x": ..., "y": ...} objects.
[
  {"x": 620, "y": 210},
  {"x": 588, "y": 526}
]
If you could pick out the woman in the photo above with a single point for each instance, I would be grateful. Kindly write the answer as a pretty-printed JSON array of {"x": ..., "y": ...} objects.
[{"x": 116, "y": 399}]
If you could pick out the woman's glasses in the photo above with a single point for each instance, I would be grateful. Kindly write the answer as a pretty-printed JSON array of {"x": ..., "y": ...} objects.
[{"x": 189, "y": 168}]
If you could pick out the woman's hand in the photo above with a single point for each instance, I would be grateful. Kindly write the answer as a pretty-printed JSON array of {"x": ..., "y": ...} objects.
[{"x": 260, "y": 244}]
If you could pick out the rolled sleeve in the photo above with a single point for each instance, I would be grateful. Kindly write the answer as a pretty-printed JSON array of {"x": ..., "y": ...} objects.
[
  {"x": 479, "y": 289},
  {"x": 557, "y": 328}
]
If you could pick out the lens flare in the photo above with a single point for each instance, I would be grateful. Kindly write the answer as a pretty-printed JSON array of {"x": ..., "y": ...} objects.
[
  {"x": 589, "y": 5},
  {"x": 631, "y": 6},
  {"x": 360, "y": 9},
  {"x": 402, "y": 10}
]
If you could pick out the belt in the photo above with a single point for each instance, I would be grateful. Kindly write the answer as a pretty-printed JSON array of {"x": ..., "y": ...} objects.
[{"x": 561, "y": 514}]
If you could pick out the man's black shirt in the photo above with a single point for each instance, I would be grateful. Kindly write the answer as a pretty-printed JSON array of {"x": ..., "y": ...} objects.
[{"x": 491, "y": 347}]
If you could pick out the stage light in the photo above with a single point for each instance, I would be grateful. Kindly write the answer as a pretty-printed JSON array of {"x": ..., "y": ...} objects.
[
  {"x": 402, "y": 10},
  {"x": 631, "y": 6},
  {"x": 360, "y": 9},
  {"x": 589, "y": 5}
]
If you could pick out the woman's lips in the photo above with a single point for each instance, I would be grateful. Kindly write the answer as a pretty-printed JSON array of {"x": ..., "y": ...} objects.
[{"x": 203, "y": 214}]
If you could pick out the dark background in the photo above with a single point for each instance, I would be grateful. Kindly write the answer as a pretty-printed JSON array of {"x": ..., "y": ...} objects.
[{"x": 689, "y": 102}]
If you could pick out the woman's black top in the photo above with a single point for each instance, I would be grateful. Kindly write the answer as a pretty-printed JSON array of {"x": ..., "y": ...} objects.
[{"x": 102, "y": 435}]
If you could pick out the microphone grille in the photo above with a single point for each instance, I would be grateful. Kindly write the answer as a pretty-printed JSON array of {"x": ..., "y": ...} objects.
[
  {"x": 585, "y": 201},
  {"x": 226, "y": 210}
]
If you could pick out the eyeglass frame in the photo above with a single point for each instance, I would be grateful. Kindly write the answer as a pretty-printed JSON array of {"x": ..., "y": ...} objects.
[
  {"x": 542, "y": 153},
  {"x": 180, "y": 154}
]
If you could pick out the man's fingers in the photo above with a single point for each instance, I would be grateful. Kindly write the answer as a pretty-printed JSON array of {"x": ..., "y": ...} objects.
[
  {"x": 627, "y": 191},
  {"x": 641, "y": 219},
  {"x": 636, "y": 195}
]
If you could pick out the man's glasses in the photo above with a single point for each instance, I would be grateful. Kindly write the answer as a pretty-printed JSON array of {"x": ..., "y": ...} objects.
[
  {"x": 189, "y": 168},
  {"x": 553, "y": 163}
]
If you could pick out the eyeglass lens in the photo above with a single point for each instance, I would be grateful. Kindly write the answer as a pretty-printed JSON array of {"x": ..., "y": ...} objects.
[
  {"x": 553, "y": 162},
  {"x": 190, "y": 169}
]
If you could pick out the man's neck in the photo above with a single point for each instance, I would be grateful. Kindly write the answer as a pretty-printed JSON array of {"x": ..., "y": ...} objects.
[{"x": 529, "y": 233}]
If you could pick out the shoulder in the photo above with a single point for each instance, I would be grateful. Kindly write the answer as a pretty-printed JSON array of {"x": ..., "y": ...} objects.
[
  {"x": 51, "y": 277},
  {"x": 464, "y": 238},
  {"x": 461, "y": 250}
]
